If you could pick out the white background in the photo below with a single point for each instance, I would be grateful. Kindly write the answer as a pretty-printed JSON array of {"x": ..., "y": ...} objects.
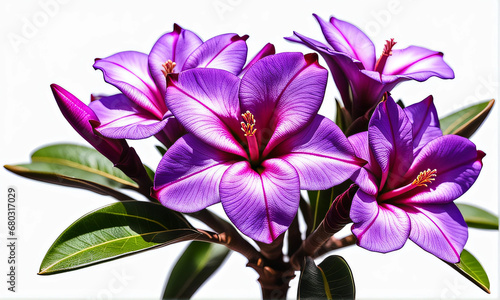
[{"x": 50, "y": 41}]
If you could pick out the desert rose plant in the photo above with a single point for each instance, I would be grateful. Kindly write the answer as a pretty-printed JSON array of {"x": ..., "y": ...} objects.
[{"x": 246, "y": 133}]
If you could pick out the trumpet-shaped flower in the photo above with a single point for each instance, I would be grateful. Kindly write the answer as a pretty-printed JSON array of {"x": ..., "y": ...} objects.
[
  {"x": 140, "y": 111},
  {"x": 252, "y": 143},
  {"x": 360, "y": 77},
  {"x": 412, "y": 177}
]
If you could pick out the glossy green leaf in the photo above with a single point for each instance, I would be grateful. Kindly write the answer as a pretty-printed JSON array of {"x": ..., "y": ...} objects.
[
  {"x": 75, "y": 161},
  {"x": 477, "y": 217},
  {"x": 150, "y": 172},
  {"x": 471, "y": 269},
  {"x": 161, "y": 149},
  {"x": 332, "y": 279},
  {"x": 28, "y": 171},
  {"x": 198, "y": 262},
  {"x": 320, "y": 203},
  {"x": 343, "y": 120},
  {"x": 466, "y": 121},
  {"x": 116, "y": 230}
]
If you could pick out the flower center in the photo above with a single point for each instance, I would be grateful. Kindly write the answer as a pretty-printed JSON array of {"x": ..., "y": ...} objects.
[
  {"x": 379, "y": 66},
  {"x": 247, "y": 128},
  {"x": 168, "y": 67},
  {"x": 423, "y": 178}
]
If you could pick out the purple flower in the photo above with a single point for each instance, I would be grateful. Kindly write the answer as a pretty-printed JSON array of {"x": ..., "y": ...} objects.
[
  {"x": 80, "y": 116},
  {"x": 360, "y": 77},
  {"x": 140, "y": 111},
  {"x": 252, "y": 143},
  {"x": 412, "y": 177}
]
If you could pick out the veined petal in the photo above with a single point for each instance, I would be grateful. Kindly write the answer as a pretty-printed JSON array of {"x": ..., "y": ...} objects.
[
  {"x": 261, "y": 205},
  {"x": 79, "y": 116},
  {"x": 417, "y": 63},
  {"x": 205, "y": 101},
  {"x": 175, "y": 46},
  {"x": 189, "y": 174},
  {"x": 226, "y": 52},
  {"x": 391, "y": 142},
  {"x": 128, "y": 71},
  {"x": 347, "y": 38},
  {"x": 423, "y": 116},
  {"x": 366, "y": 177},
  {"x": 378, "y": 227},
  {"x": 457, "y": 163},
  {"x": 321, "y": 155},
  {"x": 438, "y": 229},
  {"x": 283, "y": 92},
  {"x": 120, "y": 118},
  {"x": 172, "y": 131},
  {"x": 268, "y": 49}
]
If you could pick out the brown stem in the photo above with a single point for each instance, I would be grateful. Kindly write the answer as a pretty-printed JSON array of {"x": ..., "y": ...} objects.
[
  {"x": 238, "y": 245},
  {"x": 226, "y": 234},
  {"x": 334, "y": 244},
  {"x": 294, "y": 236},
  {"x": 305, "y": 208},
  {"x": 311, "y": 244}
]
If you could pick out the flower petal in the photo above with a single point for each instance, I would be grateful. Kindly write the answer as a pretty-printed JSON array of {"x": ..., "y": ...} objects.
[
  {"x": 205, "y": 101},
  {"x": 284, "y": 93},
  {"x": 321, "y": 155},
  {"x": 457, "y": 163},
  {"x": 175, "y": 46},
  {"x": 128, "y": 71},
  {"x": 423, "y": 116},
  {"x": 262, "y": 206},
  {"x": 366, "y": 177},
  {"x": 378, "y": 227},
  {"x": 390, "y": 139},
  {"x": 268, "y": 49},
  {"x": 417, "y": 63},
  {"x": 226, "y": 52},
  {"x": 172, "y": 131},
  {"x": 79, "y": 116},
  {"x": 189, "y": 174},
  {"x": 347, "y": 38},
  {"x": 439, "y": 229},
  {"x": 121, "y": 118}
]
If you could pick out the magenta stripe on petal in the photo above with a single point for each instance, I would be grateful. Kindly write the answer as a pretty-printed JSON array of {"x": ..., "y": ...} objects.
[
  {"x": 128, "y": 71},
  {"x": 205, "y": 101},
  {"x": 284, "y": 93},
  {"x": 438, "y": 229},
  {"x": 423, "y": 116},
  {"x": 226, "y": 52},
  {"x": 380, "y": 228},
  {"x": 175, "y": 46},
  {"x": 261, "y": 206},
  {"x": 321, "y": 154},
  {"x": 188, "y": 176}
]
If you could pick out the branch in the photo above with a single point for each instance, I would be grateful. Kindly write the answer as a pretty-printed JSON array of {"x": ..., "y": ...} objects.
[
  {"x": 226, "y": 234},
  {"x": 333, "y": 244}
]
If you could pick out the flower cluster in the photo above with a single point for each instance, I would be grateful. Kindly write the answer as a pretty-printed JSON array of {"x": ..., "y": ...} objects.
[{"x": 248, "y": 135}]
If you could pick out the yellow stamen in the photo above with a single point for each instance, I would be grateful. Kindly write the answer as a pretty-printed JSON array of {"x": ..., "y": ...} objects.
[
  {"x": 425, "y": 177},
  {"x": 168, "y": 67},
  {"x": 247, "y": 127}
]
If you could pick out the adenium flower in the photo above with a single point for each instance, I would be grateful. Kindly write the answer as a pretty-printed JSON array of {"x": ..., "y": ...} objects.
[
  {"x": 83, "y": 119},
  {"x": 140, "y": 111},
  {"x": 252, "y": 144},
  {"x": 412, "y": 176},
  {"x": 360, "y": 77}
]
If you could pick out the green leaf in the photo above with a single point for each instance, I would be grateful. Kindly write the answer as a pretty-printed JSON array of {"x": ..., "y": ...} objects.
[
  {"x": 471, "y": 269},
  {"x": 466, "y": 121},
  {"x": 331, "y": 279},
  {"x": 55, "y": 178},
  {"x": 400, "y": 103},
  {"x": 151, "y": 173},
  {"x": 477, "y": 217},
  {"x": 77, "y": 162},
  {"x": 320, "y": 203},
  {"x": 343, "y": 120},
  {"x": 198, "y": 262},
  {"x": 116, "y": 230},
  {"x": 161, "y": 149}
]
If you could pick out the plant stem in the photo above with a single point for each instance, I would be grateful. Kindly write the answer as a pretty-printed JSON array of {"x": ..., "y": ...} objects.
[{"x": 334, "y": 244}]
